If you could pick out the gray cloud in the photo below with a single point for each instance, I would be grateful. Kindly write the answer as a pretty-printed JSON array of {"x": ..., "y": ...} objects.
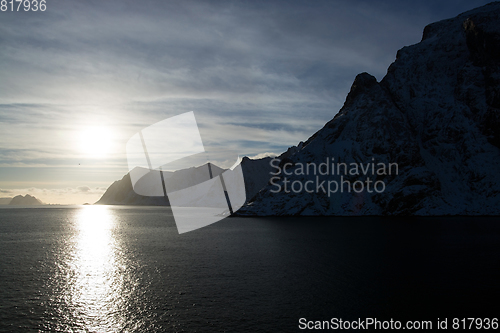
[{"x": 83, "y": 189}]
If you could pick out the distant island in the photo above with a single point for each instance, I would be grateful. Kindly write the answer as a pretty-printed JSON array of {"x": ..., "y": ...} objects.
[{"x": 20, "y": 200}]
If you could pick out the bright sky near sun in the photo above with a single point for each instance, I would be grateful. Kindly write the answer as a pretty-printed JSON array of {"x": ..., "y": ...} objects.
[{"x": 81, "y": 78}]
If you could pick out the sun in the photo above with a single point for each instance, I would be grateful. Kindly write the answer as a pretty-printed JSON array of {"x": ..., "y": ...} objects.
[{"x": 96, "y": 141}]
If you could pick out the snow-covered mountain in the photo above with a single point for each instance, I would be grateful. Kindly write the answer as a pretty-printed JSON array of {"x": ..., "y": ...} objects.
[{"x": 433, "y": 123}]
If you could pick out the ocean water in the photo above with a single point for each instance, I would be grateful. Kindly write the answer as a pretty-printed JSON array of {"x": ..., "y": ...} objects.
[{"x": 126, "y": 269}]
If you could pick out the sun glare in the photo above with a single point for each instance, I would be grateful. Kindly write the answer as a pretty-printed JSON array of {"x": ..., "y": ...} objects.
[
  {"x": 95, "y": 291},
  {"x": 96, "y": 141}
]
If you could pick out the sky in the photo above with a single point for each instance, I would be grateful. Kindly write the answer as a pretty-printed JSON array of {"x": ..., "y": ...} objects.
[{"x": 78, "y": 80}]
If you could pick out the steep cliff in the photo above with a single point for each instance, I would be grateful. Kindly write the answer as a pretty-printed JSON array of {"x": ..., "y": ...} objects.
[{"x": 435, "y": 115}]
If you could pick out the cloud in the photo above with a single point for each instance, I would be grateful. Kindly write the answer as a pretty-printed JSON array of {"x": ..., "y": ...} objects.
[
  {"x": 83, "y": 189},
  {"x": 263, "y": 155},
  {"x": 130, "y": 51},
  {"x": 193, "y": 50}
]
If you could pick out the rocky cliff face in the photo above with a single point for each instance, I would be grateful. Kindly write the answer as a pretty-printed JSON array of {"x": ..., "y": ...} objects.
[{"x": 436, "y": 114}]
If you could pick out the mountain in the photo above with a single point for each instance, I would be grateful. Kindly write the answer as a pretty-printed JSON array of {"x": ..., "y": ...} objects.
[
  {"x": 26, "y": 200},
  {"x": 255, "y": 173},
  {"x": 122, "y": 193},
  {"x": 427, "y": 134}
]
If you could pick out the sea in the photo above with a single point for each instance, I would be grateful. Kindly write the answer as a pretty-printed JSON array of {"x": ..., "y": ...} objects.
[{"x": 127, "y": 269}]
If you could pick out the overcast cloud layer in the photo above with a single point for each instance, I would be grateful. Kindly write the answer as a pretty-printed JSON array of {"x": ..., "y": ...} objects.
[{"x": 260, "y": 75}]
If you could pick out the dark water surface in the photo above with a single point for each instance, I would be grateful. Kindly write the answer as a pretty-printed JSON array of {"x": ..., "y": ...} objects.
[{"x": 111, "y": 269}]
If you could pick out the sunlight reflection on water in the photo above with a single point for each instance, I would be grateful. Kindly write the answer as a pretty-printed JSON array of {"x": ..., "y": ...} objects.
[{"x": 96, "y": 289}]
